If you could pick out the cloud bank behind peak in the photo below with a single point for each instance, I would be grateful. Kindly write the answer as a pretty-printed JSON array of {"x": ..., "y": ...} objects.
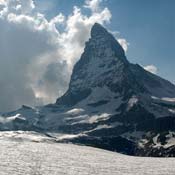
[{"x": 36, "y": 56}]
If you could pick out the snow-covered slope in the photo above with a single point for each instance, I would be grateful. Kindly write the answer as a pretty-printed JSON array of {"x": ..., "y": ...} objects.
[
  {"x": 35, "y": 158},
  {"x": 108, "y": 102}
]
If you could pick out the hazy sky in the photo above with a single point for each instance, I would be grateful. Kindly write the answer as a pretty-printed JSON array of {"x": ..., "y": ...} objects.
[{"x": 42, "y": 39}]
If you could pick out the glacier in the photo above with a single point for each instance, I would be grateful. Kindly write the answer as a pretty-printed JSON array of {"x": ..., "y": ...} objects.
[{"x": 31, "y": 153}]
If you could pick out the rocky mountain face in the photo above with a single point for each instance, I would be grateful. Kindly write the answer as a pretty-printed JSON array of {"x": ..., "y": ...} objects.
[
  {"x": 110, "y": 103},
  {"x": 103, "y": 64}
]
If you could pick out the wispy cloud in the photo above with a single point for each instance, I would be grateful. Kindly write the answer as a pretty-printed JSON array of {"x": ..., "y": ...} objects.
[
  {"x": 151, "y": 68},
  {"x": 94, "y": 5},
  {"x": 123, "y": 42}
]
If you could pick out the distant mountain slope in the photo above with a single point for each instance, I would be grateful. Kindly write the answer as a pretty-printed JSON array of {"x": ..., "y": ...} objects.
[
  {"x": 110, "y": 103},
  {"x": 155, "y": 85}
]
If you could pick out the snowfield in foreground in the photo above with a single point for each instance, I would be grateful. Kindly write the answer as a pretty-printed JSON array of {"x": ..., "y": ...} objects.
[{"x": 20, "y": 156}]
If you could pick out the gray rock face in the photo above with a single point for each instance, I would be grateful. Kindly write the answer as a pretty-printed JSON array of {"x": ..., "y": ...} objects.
[{"x": 103, "y": 63}]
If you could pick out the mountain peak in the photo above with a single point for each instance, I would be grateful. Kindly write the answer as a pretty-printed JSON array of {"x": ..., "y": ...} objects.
[
  {"x": 98, "y": 29},
  {"x": 100, "y": 37},
  {"x": 104, "y": 64}
]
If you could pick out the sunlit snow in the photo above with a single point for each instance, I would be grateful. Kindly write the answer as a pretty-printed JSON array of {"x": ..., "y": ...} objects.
[{"x": 31, "y": 157}]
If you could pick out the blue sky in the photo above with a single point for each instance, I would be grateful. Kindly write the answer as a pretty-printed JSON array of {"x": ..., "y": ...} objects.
[{"x": 148, "y": 26}]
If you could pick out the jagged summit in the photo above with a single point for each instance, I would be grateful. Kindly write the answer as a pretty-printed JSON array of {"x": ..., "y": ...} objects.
[
  {"x": 104, "y": 64},
  {"x": 98, "y": 29},
  {"x": 98, "y": 32}
]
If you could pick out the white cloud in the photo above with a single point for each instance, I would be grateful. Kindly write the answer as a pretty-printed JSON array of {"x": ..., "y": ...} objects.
[
  {"x": 151, "y": 68},
  {"x": 58, "y": 19},
  {"x": 78, "y": 31},
  {"x": 36, "y": 58},
  {"x": 94, "y": 5},
  {"x": 2, "y": 2},
  {"x": 123, "y": 42}
]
